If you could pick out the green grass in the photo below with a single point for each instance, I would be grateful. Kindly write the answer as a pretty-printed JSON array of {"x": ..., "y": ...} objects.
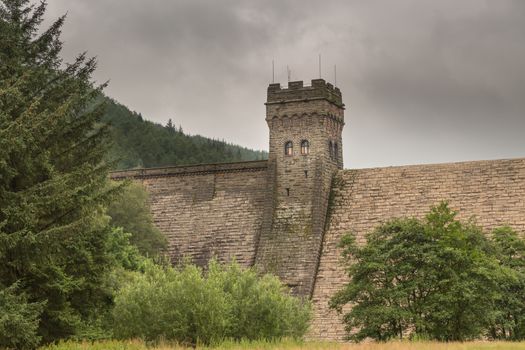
[{"x": 292, "y": 345}]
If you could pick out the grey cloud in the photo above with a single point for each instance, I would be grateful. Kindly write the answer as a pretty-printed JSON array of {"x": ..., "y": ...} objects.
[{"x": 424, "y": 80}]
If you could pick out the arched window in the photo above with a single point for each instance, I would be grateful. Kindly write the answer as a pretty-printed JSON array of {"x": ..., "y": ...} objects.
[
  {"x": 331, "y": 149},
  {"x": 288, "y": 148},
  {"x": 336, "y": 151},
  {"x": 305, "y": 147}
]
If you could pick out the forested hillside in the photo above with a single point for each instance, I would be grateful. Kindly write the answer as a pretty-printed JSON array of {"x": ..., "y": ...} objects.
[{"x": 142, "y": 143}]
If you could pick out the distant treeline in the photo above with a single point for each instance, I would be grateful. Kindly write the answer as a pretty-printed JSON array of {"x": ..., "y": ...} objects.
[{"x": 142, "y": 143}]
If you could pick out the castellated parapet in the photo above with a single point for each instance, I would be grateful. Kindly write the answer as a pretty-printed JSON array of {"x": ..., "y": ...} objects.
[
  {"x": 277, "y": 215},
  {"x": 296, "y": 90}
]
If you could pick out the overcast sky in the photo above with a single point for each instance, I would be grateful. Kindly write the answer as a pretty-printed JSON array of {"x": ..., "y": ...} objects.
[{"x": 424, "y": 81}]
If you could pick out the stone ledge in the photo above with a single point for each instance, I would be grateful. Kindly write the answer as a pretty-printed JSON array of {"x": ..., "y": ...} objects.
[
  {"x": 258, "y": 165},
  {"x": 450, "y": 165}
]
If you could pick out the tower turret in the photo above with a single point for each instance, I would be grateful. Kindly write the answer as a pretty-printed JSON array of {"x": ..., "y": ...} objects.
[{"x": 305, "y": 124}]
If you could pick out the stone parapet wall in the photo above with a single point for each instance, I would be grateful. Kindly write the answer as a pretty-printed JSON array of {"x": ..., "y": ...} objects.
[
  {"x": 491, "y": 191},
  {"x": 256, "y": 165}
]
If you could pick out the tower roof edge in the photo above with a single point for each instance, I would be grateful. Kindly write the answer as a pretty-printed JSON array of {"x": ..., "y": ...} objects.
[{"x": 297, "y": 91}]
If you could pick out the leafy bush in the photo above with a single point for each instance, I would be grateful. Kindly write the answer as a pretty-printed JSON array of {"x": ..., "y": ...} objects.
[
  {"x": 131, "y": 211},
  {"x": 509, "y": 322},
  {"x": 261, "y": 308},
  {"x": 436, "y": 278},
  {"x": 122, "y": 253},
  {"x": 191, "y": 306},
  {"x": 18, "y": 320}
]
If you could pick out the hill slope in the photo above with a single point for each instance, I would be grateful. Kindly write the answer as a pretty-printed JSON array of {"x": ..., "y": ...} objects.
[{"x": 142, "y": 143}]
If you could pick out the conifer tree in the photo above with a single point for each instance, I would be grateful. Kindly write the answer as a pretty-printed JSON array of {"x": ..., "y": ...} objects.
[
  {"x": 170, "y": 126},
  {"x": 53, "y": 184}
]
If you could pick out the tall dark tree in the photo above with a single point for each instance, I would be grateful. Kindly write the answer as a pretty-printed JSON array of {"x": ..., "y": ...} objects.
[
  {"x": 53, "y": 231},
  {"x": 171, "y": 127}
]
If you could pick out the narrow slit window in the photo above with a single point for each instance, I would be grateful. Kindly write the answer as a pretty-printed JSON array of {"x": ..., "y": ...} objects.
[
  {"x": 306, "y": 173},
  {"x": 288, "y": 192},
  {"x": 331, "y": 149},
  {"x": 288, "y": 148},
  {"x": 336, "y": 151},
  {"x": 305, "y": 147}
]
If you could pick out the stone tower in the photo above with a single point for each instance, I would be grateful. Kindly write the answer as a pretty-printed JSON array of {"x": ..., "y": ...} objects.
[{"x": 305, "y": 124}]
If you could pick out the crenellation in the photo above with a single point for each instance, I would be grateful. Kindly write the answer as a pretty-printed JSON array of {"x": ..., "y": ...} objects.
[{"x": 297, "y": 92}]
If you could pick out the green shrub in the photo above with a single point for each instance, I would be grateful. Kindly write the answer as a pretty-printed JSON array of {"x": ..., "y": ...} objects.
[
  {"x": 261, "y": 307},
  {"x": 131, "y": 211},
  {"x": 122, "y": 253},
  {"x": 191, "y": 306},
  {"x": 509, "y": 323}
]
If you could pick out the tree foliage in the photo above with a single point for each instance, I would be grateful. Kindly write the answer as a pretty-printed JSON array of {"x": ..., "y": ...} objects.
[
  {"x": 141, "y": 143},
  {"x": 18, "y": 320},
  {"x": 509, "y": 323},
  {"x": 436, "y": 278},
  {"x": 53, "y": 184},
  {"x": 131, "y": 212},
  {"x": 191, "y": 306}
]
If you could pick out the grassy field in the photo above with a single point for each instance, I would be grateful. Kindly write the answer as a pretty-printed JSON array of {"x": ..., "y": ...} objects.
[{"x": 137, "y": 345}]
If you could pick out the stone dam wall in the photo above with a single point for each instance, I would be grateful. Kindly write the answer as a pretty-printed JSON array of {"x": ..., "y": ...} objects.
[
  {"x": 207, "y": 210},
  {"x": 223, "y": 210},
  {"x": 491, "y": 191}
]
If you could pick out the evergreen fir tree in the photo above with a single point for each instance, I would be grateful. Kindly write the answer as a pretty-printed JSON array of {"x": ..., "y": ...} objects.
[
  {"x": 170, "y": 126},
  {"x": 53, "y": 231}
]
